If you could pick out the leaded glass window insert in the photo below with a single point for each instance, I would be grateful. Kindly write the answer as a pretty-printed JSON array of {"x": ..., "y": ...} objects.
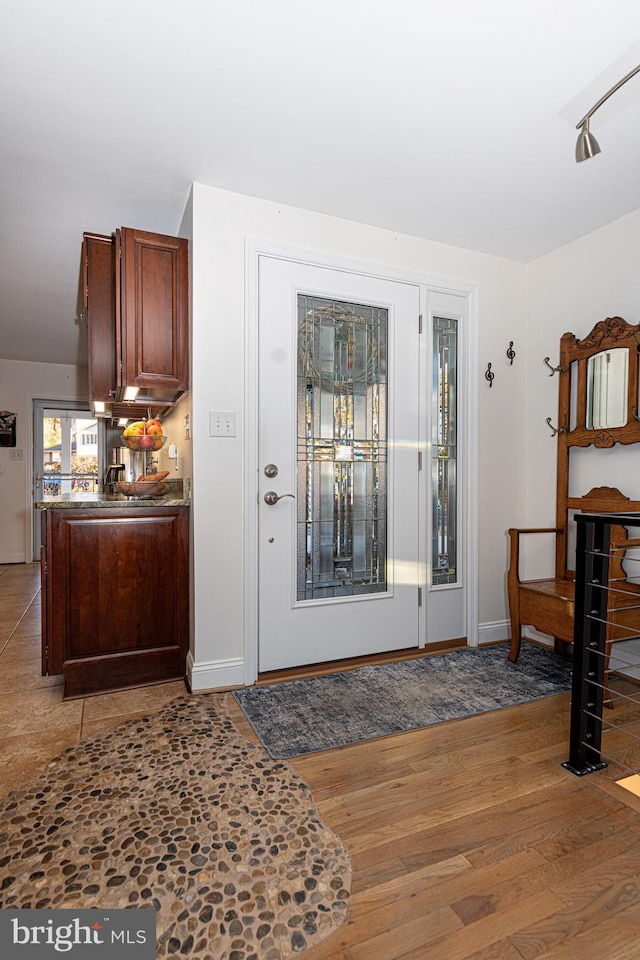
[
  {"x": 342, "y": 449},
  {"x": 444, "y": 452}
]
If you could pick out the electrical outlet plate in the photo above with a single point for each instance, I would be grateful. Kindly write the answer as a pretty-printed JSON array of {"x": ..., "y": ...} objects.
[{"x": 222, "y": 423}]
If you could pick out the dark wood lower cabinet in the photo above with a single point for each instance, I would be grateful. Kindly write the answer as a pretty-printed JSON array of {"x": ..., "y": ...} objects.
[{"x": 115, "y": 596}]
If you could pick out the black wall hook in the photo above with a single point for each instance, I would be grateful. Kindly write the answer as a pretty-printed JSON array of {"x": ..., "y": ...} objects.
[
  {"x": 559, "y": 369},
  {"x": 511, "y": 352},
  {"x": 489, "y": 375}
]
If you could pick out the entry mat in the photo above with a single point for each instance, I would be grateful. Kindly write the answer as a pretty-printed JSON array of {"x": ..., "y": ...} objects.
[{"x": 296, "y": 717}]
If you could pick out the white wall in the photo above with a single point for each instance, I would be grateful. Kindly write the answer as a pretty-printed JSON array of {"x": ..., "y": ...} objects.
[
  {"x": 20, "y": 382},
  {"x": 572, "y": 289},
  {"x": 221, "y": 222}
]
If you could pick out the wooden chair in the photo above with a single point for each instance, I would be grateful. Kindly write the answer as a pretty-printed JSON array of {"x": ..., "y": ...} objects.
[{"x": 584, "y": 419}]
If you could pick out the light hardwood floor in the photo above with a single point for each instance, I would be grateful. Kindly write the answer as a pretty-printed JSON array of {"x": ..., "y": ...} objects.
[{"x": 468, "y": 840}]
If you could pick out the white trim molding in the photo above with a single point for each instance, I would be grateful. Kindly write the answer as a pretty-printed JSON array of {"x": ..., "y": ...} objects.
[
  {"x": 494, "y": 632},
  {"x": 499, "y": 631},
  {"x": 215, "y": 674}
]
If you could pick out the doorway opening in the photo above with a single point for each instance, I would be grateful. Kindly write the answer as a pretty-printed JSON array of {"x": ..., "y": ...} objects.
[{"x": 68, "y": 452}]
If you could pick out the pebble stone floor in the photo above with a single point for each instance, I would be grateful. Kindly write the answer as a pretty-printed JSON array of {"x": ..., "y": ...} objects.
[{"x": 178, "y": 812}]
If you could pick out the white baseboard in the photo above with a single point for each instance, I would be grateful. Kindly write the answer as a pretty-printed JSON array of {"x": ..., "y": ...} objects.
[
  {"x": 12, "y": 558},
  {"x": 542, "y": 638},
  {"x": 494, "y": 632},
  {"x": 215, "y": 674},
  {"x": 500, "y": 630}
]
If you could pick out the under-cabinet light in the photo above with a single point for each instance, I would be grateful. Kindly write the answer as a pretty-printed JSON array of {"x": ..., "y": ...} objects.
[{"x": 130, "y": 393}]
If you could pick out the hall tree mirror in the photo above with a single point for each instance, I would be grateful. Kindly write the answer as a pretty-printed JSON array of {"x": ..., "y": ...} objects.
[
  {"x": 599, "y": 382},
  {"x": 607, "y": 389}
]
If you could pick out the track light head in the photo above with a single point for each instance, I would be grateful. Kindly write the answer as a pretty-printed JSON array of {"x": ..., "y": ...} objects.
[{"x": 587, "y": 146}]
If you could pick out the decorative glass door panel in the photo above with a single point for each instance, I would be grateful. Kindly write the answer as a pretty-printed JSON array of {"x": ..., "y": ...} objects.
[
  {"x": 342, "y": 449},
  {"x": 338, "y": 484},
  {"x": 444, "y": 452}
]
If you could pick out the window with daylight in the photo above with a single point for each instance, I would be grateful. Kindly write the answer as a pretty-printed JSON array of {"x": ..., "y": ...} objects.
[{"x": 444, "y": 452}]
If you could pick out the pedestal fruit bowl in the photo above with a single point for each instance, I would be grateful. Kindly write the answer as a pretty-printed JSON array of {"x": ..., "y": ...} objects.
[{"x": 143, "y": 435}]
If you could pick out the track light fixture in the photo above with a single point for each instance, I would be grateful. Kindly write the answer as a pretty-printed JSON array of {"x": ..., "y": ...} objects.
[{"x": 587, "y": 145}]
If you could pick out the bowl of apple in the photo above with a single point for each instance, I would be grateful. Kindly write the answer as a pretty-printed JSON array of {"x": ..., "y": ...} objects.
[{"x": 143, "y": 435}]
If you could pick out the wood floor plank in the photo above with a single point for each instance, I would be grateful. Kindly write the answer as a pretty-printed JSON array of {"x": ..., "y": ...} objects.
[
  {"x": 545, "y": 935},
  {"x": 502, "y": 829},
  {"x": 499, "y": 892},
  {"x": 614, "y": 938},
  {"x": 470, "y": 841},
  {"x": 618, "y": 862},
  {"x": 373, "y": 817},
  {"x": 499, "y": 950},
  {"x": 406, "y": 883},
  {"x": 486, "y": 932},
  {"x": 363, "y": 940}
]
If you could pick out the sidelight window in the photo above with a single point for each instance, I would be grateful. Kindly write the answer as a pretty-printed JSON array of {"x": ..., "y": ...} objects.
[{"x": 444, "y": 452}]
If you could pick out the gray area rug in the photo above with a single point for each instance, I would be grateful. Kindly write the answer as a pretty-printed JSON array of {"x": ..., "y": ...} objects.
[{"x": 306, "y": 716}]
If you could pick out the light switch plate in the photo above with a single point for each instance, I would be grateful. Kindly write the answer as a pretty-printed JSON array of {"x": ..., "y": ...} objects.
[{"x": 222, "y": 423}]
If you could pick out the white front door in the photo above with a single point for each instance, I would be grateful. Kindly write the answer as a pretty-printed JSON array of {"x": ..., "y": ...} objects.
[{"x": 339, "y": 517}]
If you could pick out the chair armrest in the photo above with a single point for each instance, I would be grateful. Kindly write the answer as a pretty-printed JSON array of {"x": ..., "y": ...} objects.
[
  {"x": 519, "y": 530},
  {"x": 513, "y": 574}
]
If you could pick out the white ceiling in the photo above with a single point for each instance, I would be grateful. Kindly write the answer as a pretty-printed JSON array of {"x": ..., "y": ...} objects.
[{"x": 453, "y": 121}]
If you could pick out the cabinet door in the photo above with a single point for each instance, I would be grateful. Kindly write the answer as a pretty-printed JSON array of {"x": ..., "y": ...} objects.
[
  {"x": 154, "y": 311},
  {"x": 98, "y": 261},
  {"x": 118, "y": 589}
]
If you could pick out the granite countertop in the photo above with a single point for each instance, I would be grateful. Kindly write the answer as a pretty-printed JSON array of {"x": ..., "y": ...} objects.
[{"x": 178, "y": 495}]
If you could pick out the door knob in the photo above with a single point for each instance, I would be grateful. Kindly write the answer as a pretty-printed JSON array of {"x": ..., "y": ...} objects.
[{"x": 271, "y": 497}]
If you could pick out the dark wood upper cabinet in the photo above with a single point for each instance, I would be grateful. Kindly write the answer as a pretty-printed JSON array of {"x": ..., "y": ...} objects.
[
  {"x": 137, "y": 306},
  {"x": 154, "y": 310},
  {"x": 99, "y": 284}
]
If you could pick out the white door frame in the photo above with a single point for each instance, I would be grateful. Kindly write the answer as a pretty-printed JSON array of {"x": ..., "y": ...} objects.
[{"x": 467, "y": 374}]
